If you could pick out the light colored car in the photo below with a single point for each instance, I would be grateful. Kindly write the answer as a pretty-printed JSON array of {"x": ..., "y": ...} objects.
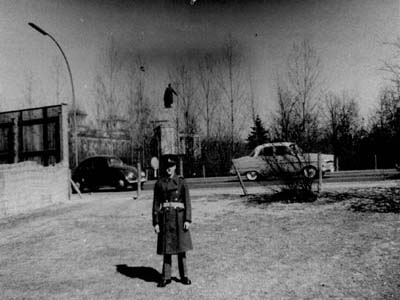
[{"x": 271, "y": 159}]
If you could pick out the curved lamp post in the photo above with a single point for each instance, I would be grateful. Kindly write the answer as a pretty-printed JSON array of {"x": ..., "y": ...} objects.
[{"x": 74, "y": 134}]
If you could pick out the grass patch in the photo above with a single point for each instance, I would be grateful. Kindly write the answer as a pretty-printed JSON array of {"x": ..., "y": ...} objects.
[
  {"x": 379, "y": 200},
  {"x": 105, "y": 249},
  {"x": 283, "y": 196}
]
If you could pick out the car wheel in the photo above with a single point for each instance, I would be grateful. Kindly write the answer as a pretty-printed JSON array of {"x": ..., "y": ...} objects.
[
  {"x": 309, "y": 172},
  {"x": 252, "y": 175},
  {"x": 120, "y": 184}
]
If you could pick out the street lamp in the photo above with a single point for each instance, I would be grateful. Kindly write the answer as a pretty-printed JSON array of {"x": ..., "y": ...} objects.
[{"x": 74, "y": 134}]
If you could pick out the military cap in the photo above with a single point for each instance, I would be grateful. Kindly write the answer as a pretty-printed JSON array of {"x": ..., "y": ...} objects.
[{"x": 170, "y": 163}]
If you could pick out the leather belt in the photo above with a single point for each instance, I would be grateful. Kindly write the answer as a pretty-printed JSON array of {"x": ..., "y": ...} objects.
[{"x": 173, "y": 205}]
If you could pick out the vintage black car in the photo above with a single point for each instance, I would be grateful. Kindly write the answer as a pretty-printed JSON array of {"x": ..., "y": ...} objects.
[{"x": 105, "y": 171}]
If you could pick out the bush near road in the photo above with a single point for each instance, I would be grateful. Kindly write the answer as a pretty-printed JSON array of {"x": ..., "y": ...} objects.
[{"x": 103, "y": 247}]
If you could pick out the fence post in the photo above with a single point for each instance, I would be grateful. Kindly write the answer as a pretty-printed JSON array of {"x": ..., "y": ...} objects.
[
  {"x": 319, "y": 173},
  {"x": 336, "y": 164},
  {"x": 375, "y": 162},
  {"x": 45, "y": 138},
  {"x": 181, "y": 165},
  {"x": 240, "y": 180},
  {"x": 139, "y": 179},
  {"x": 16, "y": 140}
]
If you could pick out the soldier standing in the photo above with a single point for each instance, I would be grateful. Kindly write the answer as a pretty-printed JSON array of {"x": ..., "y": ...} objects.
[{"x": 172, "y": 216}]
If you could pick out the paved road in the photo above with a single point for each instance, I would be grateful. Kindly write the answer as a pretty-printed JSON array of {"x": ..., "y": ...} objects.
[{"x": 337, "y": 177}]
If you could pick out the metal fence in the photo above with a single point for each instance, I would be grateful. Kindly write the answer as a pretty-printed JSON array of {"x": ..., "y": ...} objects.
[{"x": 34, "y": 134}]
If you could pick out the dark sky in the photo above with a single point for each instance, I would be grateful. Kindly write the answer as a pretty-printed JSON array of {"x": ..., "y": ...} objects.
[{"x": 348, "y": 35}]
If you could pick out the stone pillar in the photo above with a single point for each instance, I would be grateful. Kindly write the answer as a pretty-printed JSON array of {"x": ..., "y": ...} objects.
[{"x": 168, "y": 132}]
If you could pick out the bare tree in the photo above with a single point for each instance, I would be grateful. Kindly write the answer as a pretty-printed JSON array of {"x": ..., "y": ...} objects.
[
  {"x": 230, "y": 80},
  {"x": 139, "y": 109},
  {"x": 187, "y": 102},
  {"x": 386, "y": 114},
  {"x": 208, "y": 90},
  {"x": 299, "y": 101},
  {"x": 283, "y": 125},
  {"x": 386, "y": 119},
  {"x": 384, "y": 132},
  {"x": 227, "y": 83},
  {"x": 253, "y": 106},
  {"x": 392, "y": 66},
  {"x": 188, "y": 117},
  {"x": 342, "y": 122},
  {"x": 108, "y": 84}
]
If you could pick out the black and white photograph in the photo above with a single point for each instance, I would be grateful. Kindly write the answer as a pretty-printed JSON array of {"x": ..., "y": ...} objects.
[{"x": 200, "y": 149}]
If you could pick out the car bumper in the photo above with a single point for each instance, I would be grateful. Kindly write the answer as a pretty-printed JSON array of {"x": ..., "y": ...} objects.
[
  {"x": 135, "y": 181},
  {"x": 232, "y": 171},
  {"x": 328, "y": 169}
]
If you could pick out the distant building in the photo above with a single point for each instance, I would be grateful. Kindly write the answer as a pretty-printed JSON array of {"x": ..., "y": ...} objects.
[
  {"x": 109, "y": 136},
  {"x": 114, "y": 127}
]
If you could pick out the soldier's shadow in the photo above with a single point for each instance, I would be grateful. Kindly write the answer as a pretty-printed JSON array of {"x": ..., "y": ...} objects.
[{"x": 144, "y": 273}]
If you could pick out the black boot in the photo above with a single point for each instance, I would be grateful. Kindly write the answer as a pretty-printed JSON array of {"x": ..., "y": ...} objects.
[
  {"x": 186, "y": 281},
  {"x": 163, "y": 282}
]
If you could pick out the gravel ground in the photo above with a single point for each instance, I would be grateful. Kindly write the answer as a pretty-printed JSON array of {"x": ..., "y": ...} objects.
[{"x": 103, "y": 247}]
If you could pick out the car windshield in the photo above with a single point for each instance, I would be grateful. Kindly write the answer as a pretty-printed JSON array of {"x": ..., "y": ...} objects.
[{"x": 113, "y": 161}]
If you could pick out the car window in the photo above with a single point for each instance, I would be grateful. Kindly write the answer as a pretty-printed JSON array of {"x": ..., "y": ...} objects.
[
  {"x": 87, "y": 164},
  {"x": 282, "y": 150},
  {"x": 114, "y": 161},
  {"x": 267, "y": 151},
  {"x": 100, "y": 163},
  {"x": 83, "y": 165},
  {"x": 91, "y": 164}
]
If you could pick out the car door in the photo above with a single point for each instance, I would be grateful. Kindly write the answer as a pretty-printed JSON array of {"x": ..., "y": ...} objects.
[
  {"x": 286, "y": 159},
  {"x": 81, "y": 172},
  {"x": 102, "y": 171},
  {"x": 266, "y": 159},
  {"x": 89, "y": 173}
]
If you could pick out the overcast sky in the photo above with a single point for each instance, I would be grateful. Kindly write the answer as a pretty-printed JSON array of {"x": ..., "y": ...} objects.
[{"x": 348, "y": 35}]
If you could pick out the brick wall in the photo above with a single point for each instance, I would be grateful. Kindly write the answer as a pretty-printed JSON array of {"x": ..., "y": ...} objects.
[{"x": 27, "y": 186}]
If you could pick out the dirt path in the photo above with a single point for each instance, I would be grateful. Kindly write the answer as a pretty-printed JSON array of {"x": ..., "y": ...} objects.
[{"x": 242, "y": 251}]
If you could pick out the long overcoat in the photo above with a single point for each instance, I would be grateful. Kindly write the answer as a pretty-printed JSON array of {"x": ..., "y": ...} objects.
[{"x": 172, "y": 238}]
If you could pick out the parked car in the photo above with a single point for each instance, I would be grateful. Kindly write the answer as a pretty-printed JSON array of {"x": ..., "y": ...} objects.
[
  {"x": 105, "y": 170},
  {"x": 269, "y": 159}
]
